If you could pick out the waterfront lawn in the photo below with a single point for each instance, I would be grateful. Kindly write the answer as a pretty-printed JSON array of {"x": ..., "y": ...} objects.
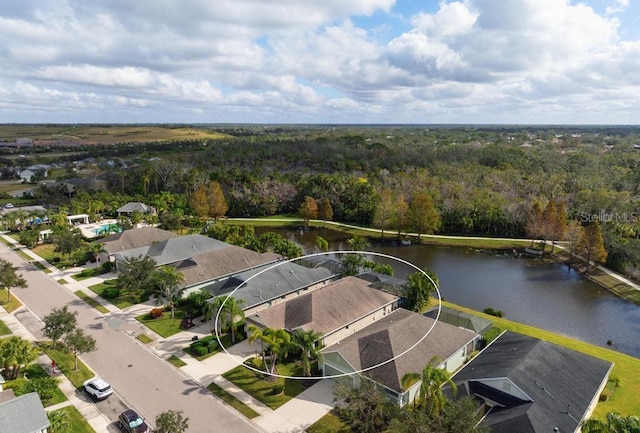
[
  {"x": 232, "y": 401},
  {"x": 261, "y": 388},
  {"x": 625, "y": 399},
  {"x": 12, "y": 305},
  {"x": 4, "y": 329}
]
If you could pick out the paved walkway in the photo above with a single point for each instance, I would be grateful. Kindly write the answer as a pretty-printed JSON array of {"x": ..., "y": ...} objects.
[{"x": 294, "y": 416}]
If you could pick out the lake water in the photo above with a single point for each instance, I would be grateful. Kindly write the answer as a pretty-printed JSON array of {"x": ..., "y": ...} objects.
[{"x": 527, "y": 289}]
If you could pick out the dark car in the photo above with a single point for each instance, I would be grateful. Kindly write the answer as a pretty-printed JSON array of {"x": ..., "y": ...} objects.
[{"x": 129, "y": 421}]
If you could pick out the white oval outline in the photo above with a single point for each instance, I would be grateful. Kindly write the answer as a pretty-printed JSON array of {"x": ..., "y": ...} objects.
[{"x": 335, "y": 376}]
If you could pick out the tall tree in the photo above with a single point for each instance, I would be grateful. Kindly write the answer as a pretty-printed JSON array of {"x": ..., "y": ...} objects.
[
  {"x": 279, "y": 342},
  {"x": 168, "y": 280},
  {"x": 96, "y": 249},
  {"x": 535, "y": 226},
  {"x": 257, "y": 334},
  {"x": 67, "y": 240},
  {"x": 308, "y": 210},
  {"x": 78, "y": 342},
  {"x": 9, "y": 278},
  {"x": 401, "y": 215},
  {"x": 59, "y": 322},
  {"x": 384, "y": 211},
  {"x": 218, "y": 206},
  {"x": 199, "y": 202},
  {"x": 575, "y": 232},
  {"x": 171, "y": 421},
  {"x": 431, "y": 397},
  {"x": 14, "y": 353},
  {"x": 229, "y": 310},
  {"x": 135, "y": 276},
  {"x": 306, "y": 342},
  {"x": 367, "y": 409},
  {"x": 325, "y": 211},
  {"x": 592, "y": 245},
  {"x": 423, "y": 215},
  {"x": 419, "y": 289}
]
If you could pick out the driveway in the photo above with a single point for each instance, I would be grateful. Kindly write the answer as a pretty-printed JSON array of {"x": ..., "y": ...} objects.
[{"x": 143, "y": 380}]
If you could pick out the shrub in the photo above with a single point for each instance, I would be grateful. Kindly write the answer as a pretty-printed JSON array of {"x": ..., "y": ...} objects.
[
  {"x": 200, "y": 350},
  {"x": 491, "y": 335},
  {"x": 490, "y": 311},
  {"x": 156, "y": 312},
  {"x": 277, "y": 389},
  {"x": 111, "y": 292},
  {"x": 212, "y": 346},
  {"x": 108, "y": 266}
]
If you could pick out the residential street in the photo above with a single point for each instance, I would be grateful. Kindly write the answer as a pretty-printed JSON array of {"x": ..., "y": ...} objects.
[{"x": 143, "y": 380}]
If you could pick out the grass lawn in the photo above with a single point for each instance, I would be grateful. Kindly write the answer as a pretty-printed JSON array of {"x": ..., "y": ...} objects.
[
  {"x": 33, "y": 371},
  {"x": 4, "y": 330},
  {"x": 144, "y": 338},
  {"x": 625, "y": 398},
  {"x": 77, "y": 422},
  {"x": 329, "y": 424},
  {"x": 232, "y": 401},
  {"x": 89, "y": 300},
  {"x": 121, "y": 302},
  {"x": 64, "y": 360},
  {"x": 176, "y": 361},
  {"x": 164, "y": 326},
  {"x": 226, "y": 342},
  {"x": 12, "y": 305},
  {"x": 22, "y": 254},
  {"x": 262, "y": 389}
]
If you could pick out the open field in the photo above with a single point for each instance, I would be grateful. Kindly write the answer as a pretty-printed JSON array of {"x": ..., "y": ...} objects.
[{"x": 103, "y": 134}]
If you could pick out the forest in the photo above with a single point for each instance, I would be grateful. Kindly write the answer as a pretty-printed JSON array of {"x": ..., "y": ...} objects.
[{"x": 471, "y": 180}]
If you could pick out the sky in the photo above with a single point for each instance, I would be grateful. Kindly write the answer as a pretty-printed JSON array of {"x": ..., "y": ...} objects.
[{"x": 320, "y": 61}]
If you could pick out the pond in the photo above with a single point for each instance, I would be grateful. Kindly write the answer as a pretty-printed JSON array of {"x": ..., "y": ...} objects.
[{"x": 527, "y": 289}]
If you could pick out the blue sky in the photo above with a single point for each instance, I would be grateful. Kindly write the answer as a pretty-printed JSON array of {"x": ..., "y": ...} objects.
[{"x": 330, "y": 61}]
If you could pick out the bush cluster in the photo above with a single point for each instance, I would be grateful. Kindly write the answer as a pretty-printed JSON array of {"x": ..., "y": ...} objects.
[
  {"x": 203, "y": 346},
  {"x": 111, "y": 292},
  {"x": 156, "y": 313}
]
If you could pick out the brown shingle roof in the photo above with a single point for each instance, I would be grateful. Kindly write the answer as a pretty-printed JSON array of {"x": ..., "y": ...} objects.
[
  {"x": 135, "y": 238},
  {"x": 327, "y": 309},
  {"x": 218, "y": 263},
  {"x": 391, "y": 336}
]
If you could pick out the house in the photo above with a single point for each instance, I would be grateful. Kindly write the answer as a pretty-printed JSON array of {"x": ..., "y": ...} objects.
[
  {"x": 134, "y": 206},
  {"x": 73, "y": 185},
  {"x": 133, "y": 239},
  {"x": 23, "y": 414},
  {"x": 399, "y": 335},
  {"x": 528, "y": 385},
  {"x": 30, "y": 174},
  {"x": 335, "y": 310},
  {"x": 275, "y": 284}
]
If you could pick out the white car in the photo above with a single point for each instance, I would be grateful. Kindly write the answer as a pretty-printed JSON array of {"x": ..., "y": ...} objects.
[
  {"x": 8, "y": 206},
  {"x": 97, "y": 388}
]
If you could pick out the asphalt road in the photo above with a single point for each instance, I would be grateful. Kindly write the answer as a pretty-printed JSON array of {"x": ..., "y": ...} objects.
[{"x": 141, "y": 379}]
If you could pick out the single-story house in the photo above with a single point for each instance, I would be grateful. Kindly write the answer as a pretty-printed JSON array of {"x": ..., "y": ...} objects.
[
  {"x": 528, "y": 385},
  {"x": 132, "y": 239},
  {"x": 275, "y": 284},
  {"x": 397, "y": 334},
  {"x": 134, "y": 206},
  {"x": 23, "y": 414},
  {"x": 335, "y": 310}
]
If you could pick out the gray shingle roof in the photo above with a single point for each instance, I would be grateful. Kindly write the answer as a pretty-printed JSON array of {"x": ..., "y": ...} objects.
[
  {"x": 272, "y": 283},
  {"x": 391, "y": 336},
  {"x": 134, "y": 206},
  {"x": 176, "y": 249},
  {"x": 327, "y": 309},
  {"x": 23, "y": 414},
  {"x": 558, "y": 383},
  {"x": 460, "y": 318},
  {"x": 135, "y": 238}
]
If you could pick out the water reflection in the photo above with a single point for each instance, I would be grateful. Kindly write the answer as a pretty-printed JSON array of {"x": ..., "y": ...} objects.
[{"x": 527, "y": 289}]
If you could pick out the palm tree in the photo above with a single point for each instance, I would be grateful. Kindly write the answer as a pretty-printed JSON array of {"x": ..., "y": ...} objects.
[
  {"x": 229, "y": 310},
  {"x": 306, "y": 342},
  {"x": 60, "y": 421},
  {"x": 279, "y": 342},
  {"x": 615, "y": 423},
  {"x": 256, "y": 333},
  {"x": 96, "y": 249},
  {"x": 14, "y": 353},
  {"x": 432, "y": 378},
  {"x": 168, "y": 280}
]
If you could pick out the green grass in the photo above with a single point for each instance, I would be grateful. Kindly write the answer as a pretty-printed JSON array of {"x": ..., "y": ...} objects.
[
  {"x": 232, "y": 401},
  {"x": 22, "y": 254},
  {"x": 88, "y": 273},
  {"x": 4, "y": 329},
  {"x": 173, "y": 359},
  {"x": 144, "y": 338},
  {"x": 12, "y": 304},
  {"x": 33, "y": 371},
  {"x": 89, "y": 300},
  {"x": 329, "y": 424},
  {"x": 77, "y": 422},
  {"x": 625, "y": 399},
  {"x": 121, "y": 302},
  {"x": 41, "y": 267},
  {"x": 164, "y": 326},
  {"x": 62, "y": 281},
  {"x": 64, "y": 361},
  {"x": 262, "y": 388}
]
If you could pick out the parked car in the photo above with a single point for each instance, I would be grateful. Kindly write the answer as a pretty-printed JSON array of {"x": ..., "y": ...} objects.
[
  {"x": 8, "y": 206},
  {"x": 97, "y": 388},
  {"x": 130, "y": 422}
]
